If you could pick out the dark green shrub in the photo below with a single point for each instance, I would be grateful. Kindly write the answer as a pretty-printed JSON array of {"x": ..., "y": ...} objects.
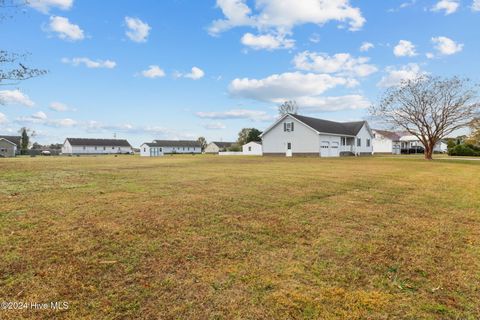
[{"x": 464, "y": 150}]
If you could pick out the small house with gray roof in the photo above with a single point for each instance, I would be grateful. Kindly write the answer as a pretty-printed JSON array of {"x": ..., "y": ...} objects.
[
  {"x": 296, "y": 135},
  {"x": 159, "y": 148},
  {"x": 218, "y": 146}
]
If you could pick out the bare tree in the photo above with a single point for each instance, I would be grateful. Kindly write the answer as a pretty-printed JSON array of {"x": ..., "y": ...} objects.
[
  {"x": 12, "y": 67},
  {"x": 430, "y": 108},
  {"x": 288, "y": 107},
  {"x": 12, "y": 70}
]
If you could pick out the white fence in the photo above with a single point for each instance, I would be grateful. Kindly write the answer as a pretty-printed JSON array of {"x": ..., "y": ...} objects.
[{"x": 231, "y": 153}]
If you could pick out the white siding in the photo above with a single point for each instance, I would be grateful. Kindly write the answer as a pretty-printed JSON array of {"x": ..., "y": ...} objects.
[
  {"x": 364, "y": 134},
  {"x": 252, "y": 149},
  {"x": 69, "y": 149},
  {"x": 146, "y": 151},
  {"x": 303, "y": 139},
  {"x": 382, "y": 144},
  {"x": 212, "y": 148}
]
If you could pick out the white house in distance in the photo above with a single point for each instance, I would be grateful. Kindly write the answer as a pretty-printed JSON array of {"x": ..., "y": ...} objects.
[
  {"x": 253, "y": 148},
  {"x": 10, "y": 146},
  {"x": 295, "y": 135},
  {"x": 216, "y": 146},
  {"x": 158, "y": 148},
  {"x": 386, "y": 142},
  {"x": 77, "y": 146},
  {"x": 390, "y": 142}
]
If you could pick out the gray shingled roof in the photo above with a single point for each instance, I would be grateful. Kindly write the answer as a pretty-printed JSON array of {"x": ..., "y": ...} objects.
[
  {"x": 326, "y": 126},
  {"x": 174, "y": 143},
  {"x": 15, "y": 139},
  {"x": 223, "y": 144},
  {"x": 99, "y": 142}
]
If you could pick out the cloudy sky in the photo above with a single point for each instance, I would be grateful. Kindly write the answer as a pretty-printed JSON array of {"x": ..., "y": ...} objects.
[{"x": 177, "y": 69}]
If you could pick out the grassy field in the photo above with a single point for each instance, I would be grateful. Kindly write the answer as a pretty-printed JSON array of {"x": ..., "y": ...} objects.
[{"x": 203, "y": 237}]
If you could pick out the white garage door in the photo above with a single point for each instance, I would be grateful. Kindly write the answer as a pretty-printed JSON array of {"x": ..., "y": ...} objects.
[{"x": 325, "y": 149}]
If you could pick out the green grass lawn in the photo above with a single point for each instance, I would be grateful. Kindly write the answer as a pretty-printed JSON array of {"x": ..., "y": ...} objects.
[{"x": 205, "y": 237}]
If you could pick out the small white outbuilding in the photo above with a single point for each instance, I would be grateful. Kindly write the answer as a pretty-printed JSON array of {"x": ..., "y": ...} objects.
[{"x": 253, "y": 148}]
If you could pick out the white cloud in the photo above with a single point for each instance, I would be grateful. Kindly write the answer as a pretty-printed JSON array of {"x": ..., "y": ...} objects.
[
  {"x": 315, "y": 38},
  {"x": 15, "y": 97},
  {"x": 476, "y": 5},
  {"x": 153, "y": 72},
  {"x": 195, "y": 74},
  {"x": 342, "y": 63},
  {"x": 304, "y": 88},
  {"x": 44, "y": 6},
  {"x": 59, "y": 107},
  {"x": 323, "y": 104},
  {"x": 42, "y": 119},
  {"x": 448, "y": 6},
  {"x": 89, "y": 63},
  {"x": 284, "y": 15},
  {"x": 64, "y": 29},
  {"x": 254, "y": 115},
  {"x": 3, "y": 118},
  {"x": 446, "y": 46},
  {"x": 267, "y": 41},
  {"x": 366, "y": 46},
  {"x": 137, "y": 29},
  {"x": 395, "y": 76},
  {"x": 404, "y": 48},
  {"x": 215, "y": 126},
  {"x": 39, "y": 115}
]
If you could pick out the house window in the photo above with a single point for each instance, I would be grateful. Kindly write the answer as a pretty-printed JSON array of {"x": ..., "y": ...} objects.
[
  {"x": 113, "y": 148},
  {"x": 359, "y": 142},
  {"x": 344, "y": 141},
  {"x": 104, "y": 148},
  {"x": 288, "y": 126},
  {"x": 144, "y": 149},
  {"x": 95, "y": 148},
  {"x": 289, "y": 146},
  {"x": 368, "y": 142},
  {"x": 160, "y": 149},
  {"x": 84, "y": 148},
  {"x": 249, "y": 148}
]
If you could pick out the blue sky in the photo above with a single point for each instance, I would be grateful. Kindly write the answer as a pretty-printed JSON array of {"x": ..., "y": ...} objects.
[{"x": 178, "y": 69}]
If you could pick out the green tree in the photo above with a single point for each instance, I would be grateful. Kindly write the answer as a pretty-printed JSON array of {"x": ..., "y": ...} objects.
[
  {"x": 25, "y": 140},
  {"x": 203, "y": 142},
  {"x": 247, "y": 135},
  {"x": 254, "y": 135}
]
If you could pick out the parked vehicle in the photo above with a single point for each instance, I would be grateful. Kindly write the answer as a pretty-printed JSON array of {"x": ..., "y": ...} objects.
[
  {"x": 46, "y": 153},
  {"x": 414, "y": 150}
]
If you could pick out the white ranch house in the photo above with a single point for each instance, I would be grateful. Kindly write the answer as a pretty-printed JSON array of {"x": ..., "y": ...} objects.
[
  {"x": 159, "y": 148},
  {"x": 390, "y": 142},
  {"x": 78, "y": 146},
  {"x": 295, "y": 135}
]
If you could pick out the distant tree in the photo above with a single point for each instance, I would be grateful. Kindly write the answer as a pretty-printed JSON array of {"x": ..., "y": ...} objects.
[
  {"x": 474, "y": 137},
  {"x": 243, "y": 136},
  {"x": 288, "y": 107},
  {"x": 235, "y": 147},
  {"x": 247, "y": 135},
  {"x": 254, "y": 135},
  {"x": 202, "y": 141},
  {"x": 37, "y": 146},
  {"x": 25, "y": 135},
  {"x": 429, "y": 108}
]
